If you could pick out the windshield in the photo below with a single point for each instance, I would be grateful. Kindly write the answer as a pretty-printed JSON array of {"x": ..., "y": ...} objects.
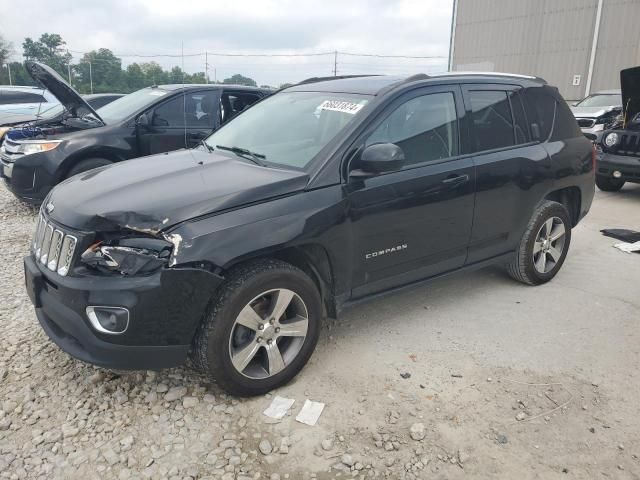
[
  {"x": 289, "y": 128},
  {"x": 126, "y": 106},
  {"x": 607, "y": 100}
]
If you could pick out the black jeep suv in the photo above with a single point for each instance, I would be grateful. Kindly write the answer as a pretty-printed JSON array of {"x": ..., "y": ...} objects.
[
  {"x": 158, "y": 119},
  {"x": 619, "y": 161},
  {"x": 322, "y": 195}
]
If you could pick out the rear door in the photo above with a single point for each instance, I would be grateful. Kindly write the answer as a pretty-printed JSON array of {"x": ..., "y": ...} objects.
[
  {"x": 415, "y": 222},
  {"x": 512, "y": 167},
  {"x": 179, "y": 122}
]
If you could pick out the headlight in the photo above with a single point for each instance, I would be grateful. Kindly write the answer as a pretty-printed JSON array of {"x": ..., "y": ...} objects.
[
  {"x": 611, "y": 139},
  {"x": 3, "y": 130},
  {"x": 36, "y": 146},
  {"x": 129, "y": 256}
]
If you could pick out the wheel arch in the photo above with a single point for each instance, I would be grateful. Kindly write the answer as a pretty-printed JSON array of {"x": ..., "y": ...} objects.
[
  {"x": 86, "y": 154},
  {"x": 571, "y": 198}
]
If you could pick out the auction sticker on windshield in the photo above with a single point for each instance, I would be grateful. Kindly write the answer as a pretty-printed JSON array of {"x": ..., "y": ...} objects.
[{"x": 341, "y": 106}]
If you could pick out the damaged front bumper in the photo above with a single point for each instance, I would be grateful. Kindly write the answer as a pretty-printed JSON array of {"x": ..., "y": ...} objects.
[{"x": 164, "y": 311}]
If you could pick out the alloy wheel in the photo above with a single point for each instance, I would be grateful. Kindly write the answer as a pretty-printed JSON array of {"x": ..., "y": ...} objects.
[
  {"x": 268, "y": 333},
  {"x": 549, "y": 245}
]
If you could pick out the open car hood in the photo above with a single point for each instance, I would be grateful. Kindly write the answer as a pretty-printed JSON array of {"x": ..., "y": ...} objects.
[
  {"x": 630, "y": 84},
  {"x": 60, "y": 89}
]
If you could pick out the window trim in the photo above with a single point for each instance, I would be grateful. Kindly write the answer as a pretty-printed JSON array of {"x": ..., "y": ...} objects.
[{"x": 356, "y": 147}]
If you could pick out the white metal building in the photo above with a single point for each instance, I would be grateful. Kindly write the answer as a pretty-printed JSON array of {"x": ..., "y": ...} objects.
[{"x": 580, "y": 46}]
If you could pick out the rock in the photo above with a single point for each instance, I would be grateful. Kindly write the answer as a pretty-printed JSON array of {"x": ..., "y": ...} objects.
[
  {"x": 417, "y": 431},
  {"x": 189, "y": 402},
  {"x": 96, "y": 378},
  {"x": 265, "y": 447},
  {"x": 347, "y": 460},
  {"x": 5, "y": 423},
  {"x": 175, "y": 393},
  {"x": 327, "y": 444},
  {"x": 284, "y": 445},
  {"x": 162, "y": 388},
  {"x": 389, "y": 461},
  {"x": 405, "y": 375},
  {"x": 463, "y": 457},
  {"x": 521, "y": 416},
  {"x": 274, "y": 476},
  {"x": 502, "y": 439}
]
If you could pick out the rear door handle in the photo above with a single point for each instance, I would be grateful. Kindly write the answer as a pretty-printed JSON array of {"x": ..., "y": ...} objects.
[{"x": 456, "y": 179}]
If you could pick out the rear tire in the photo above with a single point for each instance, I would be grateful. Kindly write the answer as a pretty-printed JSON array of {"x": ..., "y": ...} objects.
[
  {"x": 88, "y": 164},
  {"x": 608, "y": 184},
  {"x": 254, "y": 337},
  {"x": 543, "y": 246}
]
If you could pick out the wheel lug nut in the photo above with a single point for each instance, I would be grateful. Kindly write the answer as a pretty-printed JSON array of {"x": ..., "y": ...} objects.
[
  {"x": 269, "y": 342},
  {"x": 259, "y": 339},
  {"x": 260, "y": 327},
  {"x": 278, "y": 330}
]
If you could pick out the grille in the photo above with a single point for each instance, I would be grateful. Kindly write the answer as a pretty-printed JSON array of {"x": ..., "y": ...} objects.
[
  {"x": 629, "y": 144},
  {"x": 9, "y": 151},
  {"x": 586, "y": 122},
  {"x": 52, "y": 247}
]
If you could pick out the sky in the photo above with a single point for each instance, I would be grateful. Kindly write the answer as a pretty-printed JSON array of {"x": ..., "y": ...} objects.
[{"x": 164, "y": 27}]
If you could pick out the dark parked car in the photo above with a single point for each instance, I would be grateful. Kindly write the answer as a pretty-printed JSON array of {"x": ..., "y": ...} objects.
[
  {"x": 619, "y": 161},
  {"x": 49, "y": 113},
  {"x": 152, "y": 120},
  {"x": 320, "y": 196}
]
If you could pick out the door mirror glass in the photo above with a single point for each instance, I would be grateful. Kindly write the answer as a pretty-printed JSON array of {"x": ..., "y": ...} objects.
[{"x": 381, "y": 158}]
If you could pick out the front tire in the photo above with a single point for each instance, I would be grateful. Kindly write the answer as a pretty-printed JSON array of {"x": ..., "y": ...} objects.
[
  {"x": 261, "y": 328},
  {"x": 544, "y": 245},
  {"x": 608, "y": 184}
]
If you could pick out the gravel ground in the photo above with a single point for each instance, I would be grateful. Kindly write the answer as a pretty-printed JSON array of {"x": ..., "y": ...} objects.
[{"x": 473, "y": 376}]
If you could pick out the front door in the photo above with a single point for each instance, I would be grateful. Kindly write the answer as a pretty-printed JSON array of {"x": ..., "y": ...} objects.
[
  {"x": 414, "y": 223},
  {"x": 180, "y": 122}
]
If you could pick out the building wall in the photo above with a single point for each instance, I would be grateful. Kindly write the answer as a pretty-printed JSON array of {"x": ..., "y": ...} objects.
[{"x": 551, "y": 39}]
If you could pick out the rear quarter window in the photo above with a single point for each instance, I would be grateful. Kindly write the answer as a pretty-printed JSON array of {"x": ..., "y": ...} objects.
[
  {"x": 540, "y": 107},
  {"x": 565, "y": 124}
]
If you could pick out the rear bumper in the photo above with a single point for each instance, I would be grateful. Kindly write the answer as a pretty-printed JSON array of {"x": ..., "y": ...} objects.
[
  {"x": 165, "y": 310},
  {"x": 628, "y": 166}
]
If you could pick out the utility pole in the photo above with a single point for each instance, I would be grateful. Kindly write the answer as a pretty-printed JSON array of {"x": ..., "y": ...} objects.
[
  {"x": 215, "y": 76},
  {"x": 69, "y": 69},
  {"x": 9, "y": 70},
  {"x": 206, "y": 65},
  {"x": 335, "y": 63},
  {"x": 90, "y": 77}
]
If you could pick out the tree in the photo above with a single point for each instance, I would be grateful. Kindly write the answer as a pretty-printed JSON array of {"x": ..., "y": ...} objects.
[
  {"x": 6, "y": 49},
  {"x": 154, "y": 74},
  {"x": 134, "y": 78},
  {"x": 106, "y": 72},
  {"x": 50, "y": 49},
  {"x": 238, "y": 79}
]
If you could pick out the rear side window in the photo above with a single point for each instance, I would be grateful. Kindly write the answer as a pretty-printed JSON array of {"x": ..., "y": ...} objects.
[
  {"x": 519, "y": 117},
  {"x": 9, "y": 97},
  {"x": 564, "y": 125},
  {"x": 492, "y": 121},
  {"x": 540, "y": 108}
]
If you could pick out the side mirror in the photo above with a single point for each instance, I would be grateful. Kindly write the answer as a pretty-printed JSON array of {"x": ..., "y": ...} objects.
[
  {"x": 143, "y": 121},
  {"x": 379, "y": 158}
]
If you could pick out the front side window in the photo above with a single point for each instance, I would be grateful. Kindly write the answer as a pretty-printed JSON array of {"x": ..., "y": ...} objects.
[
  {"x": 290, "y": 128},
  {"x": 194, "y": 110},
  {"x": 491, "y": 118},
  {"x": 425, "y": 128}
]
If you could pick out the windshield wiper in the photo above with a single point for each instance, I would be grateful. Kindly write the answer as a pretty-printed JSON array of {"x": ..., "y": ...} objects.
[
  {"x": 244, "y": 153},
  {"x": 206, "y": 145}
]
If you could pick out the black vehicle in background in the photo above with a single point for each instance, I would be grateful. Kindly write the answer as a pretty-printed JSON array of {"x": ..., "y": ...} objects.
[
  {"x": 619, "y": 161},
  {"x": 320, "y": 196},
  {"x": 49, "y": 113},
  {"x": 152, "y": 120}
]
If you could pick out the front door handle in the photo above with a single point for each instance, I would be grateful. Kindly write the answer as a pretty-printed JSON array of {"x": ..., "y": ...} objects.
[{"x": 456, "y": 179}]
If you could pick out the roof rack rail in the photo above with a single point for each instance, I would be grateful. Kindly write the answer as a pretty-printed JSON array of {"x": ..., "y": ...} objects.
[
  {"x": 416, "y": 77},
  {"x": 326, "y": 79}
]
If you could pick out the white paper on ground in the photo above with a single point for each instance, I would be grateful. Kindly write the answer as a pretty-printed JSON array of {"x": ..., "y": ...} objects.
[
  {"x": 310, "y": 412},
  {"x": 628, "y": 247},
  {"x": 279, "y": 407}
]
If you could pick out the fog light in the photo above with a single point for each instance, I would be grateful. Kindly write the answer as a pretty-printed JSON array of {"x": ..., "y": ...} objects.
[
  {"x": 113, "y": 320},
  {"x": 617, "y": 174}
]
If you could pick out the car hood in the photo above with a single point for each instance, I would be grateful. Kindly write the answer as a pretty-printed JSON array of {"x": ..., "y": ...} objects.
[
  {"x": 630, "y": 84},
  {"x": 10, "y": 119},
  {"x": 60, "y": 89},
  {"x": 592, "y": 112},
  {"x": 151, "y": 194}
]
